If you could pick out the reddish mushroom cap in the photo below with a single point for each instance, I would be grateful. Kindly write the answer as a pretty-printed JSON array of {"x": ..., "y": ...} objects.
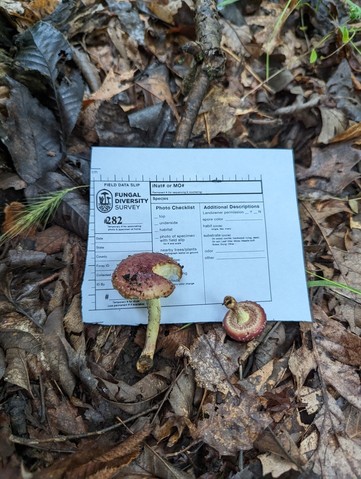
[
  {"x": 245, "y": 320},
  {"x": 146, "y": 276}
]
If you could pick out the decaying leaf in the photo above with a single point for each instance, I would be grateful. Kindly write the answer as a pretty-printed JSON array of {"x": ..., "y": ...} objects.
[
  {"x": 154, "y": 462},
  {"x": 135, "y": 398},
  {"x": 343, "y": 378},
  {"x": 337, "y": 454},
  {"x": 92, "y": 459},
  {"x": 214, "y": 361},
  {"x": 233, "y": 425},
  {"x": 220, "y": 110},
  {"x": 276, "y": 465},
  {"x": 268, "y": 376},
  {"x": 181, "y": 396},
  {"x": 156, "y": 83},
  {"x": 17, "y": 331},
  {"x": 112, "y": 127},
  {"x": 34, "y": 149},
  {"x": 333, "y": 123},
  {"x": 16, "y": 371},
  {"x": 52, "y": 240},
  {"x": 54, "y": 351},
  {"x": 44, "y": 49},
  {"x": 332, "y": 168},
  {"x": 302, "y": 360},
  {"x": 339, "y": 343},
  {"x": 181, "y": 400}
]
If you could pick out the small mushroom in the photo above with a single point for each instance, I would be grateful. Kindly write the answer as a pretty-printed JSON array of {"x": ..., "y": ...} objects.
[
  {"x": 146, "y": 276},
  {"x": 245, "y": 320}
]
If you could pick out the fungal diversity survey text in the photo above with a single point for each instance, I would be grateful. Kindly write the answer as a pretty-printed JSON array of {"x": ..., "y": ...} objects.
[{"x": 228, "y": 216}]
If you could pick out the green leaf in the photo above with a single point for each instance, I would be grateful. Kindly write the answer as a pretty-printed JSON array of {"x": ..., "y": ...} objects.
[
  {"x": 313, "y": 56},
  {"x": 354, "y": 10},
  {"x": 345, "y": 34},
  {"x": 226, "y": 2}
]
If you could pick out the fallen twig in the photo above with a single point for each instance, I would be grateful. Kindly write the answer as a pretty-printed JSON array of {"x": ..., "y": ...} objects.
[{"x": 210, "y": 64}]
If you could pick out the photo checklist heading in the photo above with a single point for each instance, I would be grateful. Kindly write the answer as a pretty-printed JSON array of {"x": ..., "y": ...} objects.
[{"x": 229, "y": 217}]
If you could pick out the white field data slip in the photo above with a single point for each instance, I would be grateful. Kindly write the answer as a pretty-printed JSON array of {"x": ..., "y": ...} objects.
[{"x": 228, "y": 216}]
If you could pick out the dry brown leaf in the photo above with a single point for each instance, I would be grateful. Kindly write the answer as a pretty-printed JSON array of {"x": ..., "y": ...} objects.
[
  {"x": 339, "y": 343},
  {"x": 37, "y": 9},
  {"x": 157, "y": 83},
  {"x": 321, "y": 210},
  {"x": 52, "y": 240},
  {"x": 266, "y": 378},
  {"x": 17, "y": 331},
  {"x": 233, "y": 425},
  {"x": 182, "y": 394},
  {"x": 353, "y": 422},
  {"x": 269, "y": 25},
  {"x": 214, "y": 361},
  {"x": 74, "y": 325},
  {"x": 275, "y": 465},
  {"x": 7, "y": 448},
  {"x": 302, "y": 360},
  {"x": 171, "y": 337},
  {"x": 166, "y": 10},
  {"x": 113, "y": 84},
  {"x": 349, "y": 263},
  {"x": 173, "y": 429},
  {"x": 54, "y": 352},
  {"x": 293, "y": 48},
  {"x": 350, "y": 313},
  {"x": 9, "y": 179},
  {"x": 271, "y": 348},
  {"x": 78, "y": 365},
  {"x": 235, "y": 37},
  {"x": 220, "y": 108},
  {"x": 135, "y": 398},
  {"x": 310, "y": 398},
  {"x": 62, "y": 416},
  {"x": 343, "y": 378},
  {"x": 163, "y": 11},
  {"x": 352, "y": 133},
  {"x": 92, "y": 459},
  {"x": 109, "y": 344},
  {"x": 331, "y": 168},
  {"x": 13, "y": 212},
  {"x": 181, "y": 400},
  {"x": 16, "y": 371},
  {"x": 333, "y": 122},
  {"x": 154, "y": 463},
  {"x": 337, "y": 455}
]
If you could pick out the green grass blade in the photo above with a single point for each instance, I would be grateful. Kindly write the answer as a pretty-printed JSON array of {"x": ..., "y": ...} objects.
[
  {"x": 38, "y": 211},
  {"x": 328, "y": 283}
]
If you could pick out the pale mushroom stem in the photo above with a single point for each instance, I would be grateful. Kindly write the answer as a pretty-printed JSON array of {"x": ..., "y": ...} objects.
[
  {"x": 241, "y": 314},
  {"x": 145, "y": 361}
]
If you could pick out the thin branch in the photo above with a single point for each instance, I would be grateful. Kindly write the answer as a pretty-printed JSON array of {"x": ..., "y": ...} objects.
[{"x": 211, "y": 63}]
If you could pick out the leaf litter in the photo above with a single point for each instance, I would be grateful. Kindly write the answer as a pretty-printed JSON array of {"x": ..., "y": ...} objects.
[{"x": 78, "y": 74}]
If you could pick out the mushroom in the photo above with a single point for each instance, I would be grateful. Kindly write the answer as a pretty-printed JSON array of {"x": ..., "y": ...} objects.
[
  {"x": 146, "y": 276},
  {"x": 245, "y": 320}
]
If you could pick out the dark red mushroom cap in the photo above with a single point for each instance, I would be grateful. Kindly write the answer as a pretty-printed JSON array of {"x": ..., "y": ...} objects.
[
  {"x": 245, "y": 320},
  {"x": 146, "y": 276}
]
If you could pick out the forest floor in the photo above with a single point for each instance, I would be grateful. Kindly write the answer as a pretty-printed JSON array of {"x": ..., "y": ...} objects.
[{"x": 77, "y": 74}]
